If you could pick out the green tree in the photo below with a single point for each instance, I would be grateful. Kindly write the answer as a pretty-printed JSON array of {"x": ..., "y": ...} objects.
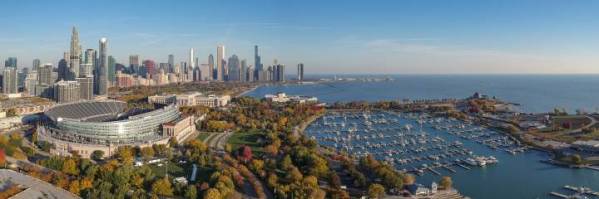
[
  {"x": 70, "y": 167},
  {"x": 191, "y": 192},
  {"x": 97, "y": 155},
  {"x": 376, "y": 191}
]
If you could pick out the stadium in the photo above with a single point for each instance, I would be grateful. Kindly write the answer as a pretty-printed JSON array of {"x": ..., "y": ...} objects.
[{"x": 87, "y": 126}]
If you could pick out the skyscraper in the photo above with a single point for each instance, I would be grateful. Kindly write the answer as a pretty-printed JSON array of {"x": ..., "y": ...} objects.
[
  {"x": 86, "y": 88},
  {"x": 10, "y": 80},
  {"x": 234, "y": 69},
  {"x": 44, "y": 75},
  {"x": 210, "y": 67},
  {"x": 74, "y": 55},
  {"x": 11, "y": 62},
  {"x": 300, "y": 72},
  {"x": 171, "y": 63},
  {"x": 243, "y": 71},
  {"x": 191, "y": 59},
  {"x": 66, "y": 91},
  {"x": 102, "y": 68},
  {"x": 63, "y": 69},
  {"x": 36, "y": 64},
  {"x": 257, "y": 64},
  {"x": 111, "y": 70},
  {"x": 220, "y": 59},
  {"x": 133, "y": 64}
]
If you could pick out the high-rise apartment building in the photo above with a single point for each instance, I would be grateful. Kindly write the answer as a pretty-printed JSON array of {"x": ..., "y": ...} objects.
[
  {"x": 300, "y": 72},
  {"x": 10, "y": 80},
  {"x": 86, "y": 88},
  {"x": 66, "y": 91}
]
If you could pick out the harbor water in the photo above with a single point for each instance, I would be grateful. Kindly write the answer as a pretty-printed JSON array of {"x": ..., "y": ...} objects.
[{"x": 520, "y": 175}]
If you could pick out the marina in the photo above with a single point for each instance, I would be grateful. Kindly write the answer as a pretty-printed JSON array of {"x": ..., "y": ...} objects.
[
  {"x": 413, "y": 143},
  {"x": 523, "y": 175}
]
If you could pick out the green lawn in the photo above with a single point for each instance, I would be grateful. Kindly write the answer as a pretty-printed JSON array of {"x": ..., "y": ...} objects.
[
  {"x": 202, "y": 136},
  {"x": 174, "y": 169},
  {"x": 250, "y": 139}
]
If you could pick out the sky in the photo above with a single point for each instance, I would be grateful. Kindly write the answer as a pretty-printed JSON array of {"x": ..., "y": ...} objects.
[{"x": 331, "y": 37}]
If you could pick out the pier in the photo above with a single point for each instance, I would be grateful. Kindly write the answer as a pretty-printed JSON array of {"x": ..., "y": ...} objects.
[
  {"x": 558, "y": 195},
  {"x": 464, "y": 166},
  {"x": 449, "y": 168},
  {"x": 435, "y": 172}
]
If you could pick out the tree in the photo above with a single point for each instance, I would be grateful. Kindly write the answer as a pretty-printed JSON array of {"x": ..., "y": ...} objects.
[
  {"x": 409, "y": 179},
  {"x": 245, "y": 153},
  {"x": 97, "y": 155},
  {"x": 147, "y": 153},
  {"x": 445, "y": 183},
  {"x": 125, "y": 153},
  {"x": 191, "y": 192},
  {"x": 74, "y": 187},
  {"x": 212, "y": 193},
  {"x": 376, "y": 191},
  {"x": 576, "y": 159},
  {"x": 162, "y": 187},
  {"x": 70, "y": 167},
  {"x": 334, "y": 180},
  {"x": 2, "y": 158}
]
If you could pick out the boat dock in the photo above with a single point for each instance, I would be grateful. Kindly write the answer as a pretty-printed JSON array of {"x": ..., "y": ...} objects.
[
  {"x": 449, "y": 168},
  {"x": 464, "y": 166},
  {"x": 558, "y": 194},
  {"x": 435, "y": 172}
]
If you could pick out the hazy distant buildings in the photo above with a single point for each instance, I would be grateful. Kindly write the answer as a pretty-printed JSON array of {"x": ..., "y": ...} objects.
[
  {"x": 211, "y": 67},
  {"x": 134, "y": 64},
  {"x": 234, "y": 68},
  {"x": 11, "y": 62},
  {"x": 36, "y": 64},
  {"x": 171, "y": 63}
]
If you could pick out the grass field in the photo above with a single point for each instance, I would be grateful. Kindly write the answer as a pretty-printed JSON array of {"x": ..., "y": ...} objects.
[
  {"x": 174, "y": 169},
  {"x": 202, "y": 136},
  {"x": 250, "y": 139}
]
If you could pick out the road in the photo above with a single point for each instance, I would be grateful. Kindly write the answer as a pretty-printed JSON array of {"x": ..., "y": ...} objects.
[{"x": 217, "y": 141}]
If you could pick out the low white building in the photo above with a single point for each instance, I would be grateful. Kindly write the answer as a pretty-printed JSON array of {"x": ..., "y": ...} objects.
[
  {"x": 282, "y": 98},
  {"x": 191, "y": 99},
  {"x": 590, "y": 146}
]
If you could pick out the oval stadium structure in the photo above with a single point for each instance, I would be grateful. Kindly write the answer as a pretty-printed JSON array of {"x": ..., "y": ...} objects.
[{"x": 86, "y": 125}]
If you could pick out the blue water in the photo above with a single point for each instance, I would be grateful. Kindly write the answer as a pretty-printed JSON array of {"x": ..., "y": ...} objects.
[
  {"x": 520, "y": 176},
  {"x": 536, "y": 93}
]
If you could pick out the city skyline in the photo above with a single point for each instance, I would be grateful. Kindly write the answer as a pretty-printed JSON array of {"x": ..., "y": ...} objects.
[{"x": 456, "y": 37}]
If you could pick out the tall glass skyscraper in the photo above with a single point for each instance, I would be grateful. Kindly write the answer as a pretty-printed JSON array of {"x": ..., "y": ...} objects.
[
  {"x": 102, "y": 68},
  {"x": 220, "y": 62}
]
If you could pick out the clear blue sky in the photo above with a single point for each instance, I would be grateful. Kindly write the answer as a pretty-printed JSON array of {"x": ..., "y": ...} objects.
[{"x": 394, "y": 36}]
